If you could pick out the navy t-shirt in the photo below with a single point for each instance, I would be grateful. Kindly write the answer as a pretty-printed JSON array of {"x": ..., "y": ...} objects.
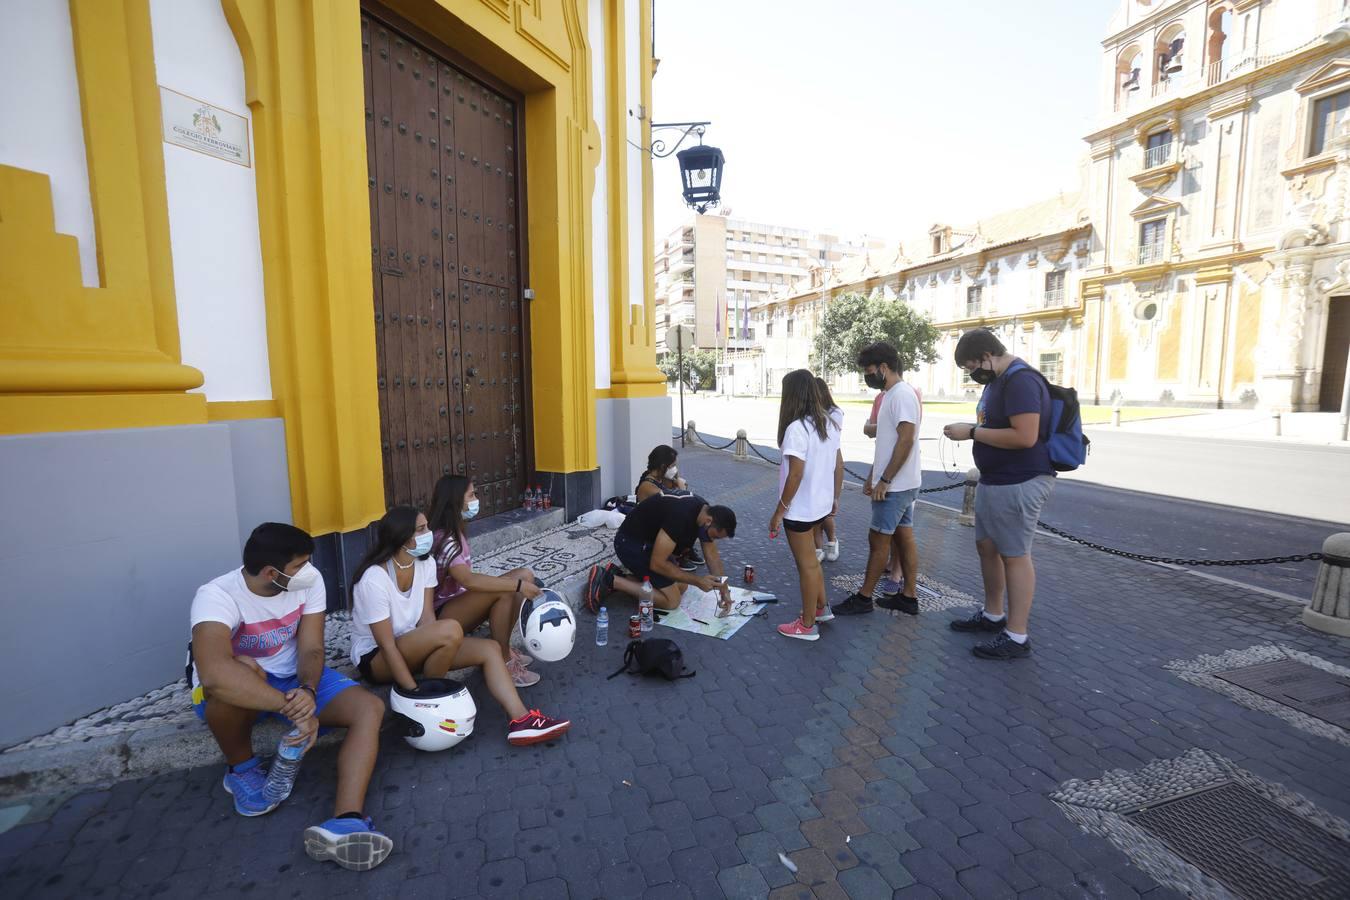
[{"x": 1020, "y": 389}]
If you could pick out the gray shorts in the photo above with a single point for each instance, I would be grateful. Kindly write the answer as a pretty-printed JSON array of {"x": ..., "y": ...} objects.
[{"x": 1006, "y": 513}]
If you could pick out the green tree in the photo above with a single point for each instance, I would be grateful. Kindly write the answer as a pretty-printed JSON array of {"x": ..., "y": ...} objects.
[
  {"x": 700, "y": 367},
  {"x": 853, "y": 321}
]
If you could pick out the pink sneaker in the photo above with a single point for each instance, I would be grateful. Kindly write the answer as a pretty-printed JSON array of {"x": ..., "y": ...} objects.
[
  {"x": 795, "y": 629},
  {"x": 521, "y": 676},
  {"x": 521, "y": 658},
  {"x": 535, "y": 727},
  {"x": 824, "y": 614}
]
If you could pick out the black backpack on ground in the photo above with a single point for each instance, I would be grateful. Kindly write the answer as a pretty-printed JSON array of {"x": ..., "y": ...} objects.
[{"x": 654, "y": 656}]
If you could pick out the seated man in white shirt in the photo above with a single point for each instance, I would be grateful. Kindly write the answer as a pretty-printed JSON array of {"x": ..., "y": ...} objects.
[{"x": 258, "y": 649}]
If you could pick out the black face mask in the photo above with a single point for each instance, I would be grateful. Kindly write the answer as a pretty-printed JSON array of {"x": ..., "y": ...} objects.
[
  {"x": 983, "y": 375},
  {"x": 875, "y": 380}
]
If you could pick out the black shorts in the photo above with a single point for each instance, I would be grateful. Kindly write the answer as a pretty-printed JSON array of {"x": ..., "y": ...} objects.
[
  {"x": 637, "y": 558},
  {"x": 363, "y": 665},
  {"x": 798, "y": 527}
]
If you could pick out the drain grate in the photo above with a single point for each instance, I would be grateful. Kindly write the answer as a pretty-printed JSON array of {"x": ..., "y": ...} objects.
[
  {"x": 1254, "y": 847},
  {"x": 1312, "y": 691}
]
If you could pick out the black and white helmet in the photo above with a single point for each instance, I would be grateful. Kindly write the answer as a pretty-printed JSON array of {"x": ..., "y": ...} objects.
[
  {"x": 548, "y": 626},
  {"x": 437, "y": 716}
]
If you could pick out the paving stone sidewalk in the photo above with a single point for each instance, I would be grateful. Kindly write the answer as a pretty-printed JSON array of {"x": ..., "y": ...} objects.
[{"x": 883, "y": 760}]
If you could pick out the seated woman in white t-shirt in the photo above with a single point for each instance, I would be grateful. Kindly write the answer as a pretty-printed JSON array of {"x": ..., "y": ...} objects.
[
  {"x": 810, "y": 478},
  {"x": 395, "y": 630}
]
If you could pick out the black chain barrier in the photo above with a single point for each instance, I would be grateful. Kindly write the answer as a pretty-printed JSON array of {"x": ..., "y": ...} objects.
[
  {"x": 1126, "y": 554},
  {"x": 1180, "y": 561}
]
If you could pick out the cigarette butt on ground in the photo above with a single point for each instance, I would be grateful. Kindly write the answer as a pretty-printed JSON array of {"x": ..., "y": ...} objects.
[
  {"x": 848, "y": 839},
  {"x": 787, "y": 863},
  {"x": 627, "y": 782}
]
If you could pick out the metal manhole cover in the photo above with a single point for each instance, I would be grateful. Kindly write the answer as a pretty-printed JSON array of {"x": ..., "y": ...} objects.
[
  {"x": 1312, "y": 691},
  {"x": 1254, "y": 847}
]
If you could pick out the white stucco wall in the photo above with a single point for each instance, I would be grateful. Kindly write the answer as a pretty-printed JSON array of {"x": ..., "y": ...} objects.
[
  {"x": 595, "y": 32},
  {"x": 213, "y": 210},
  {"x": 40, "y": 124},
  {"x": 633, "y": 86}
]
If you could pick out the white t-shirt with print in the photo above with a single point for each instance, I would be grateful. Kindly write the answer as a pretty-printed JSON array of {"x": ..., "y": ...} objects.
[
  {"x": 262, "y": 628},
  {"x": 377, "y": 597},
  {"x": 815, "y": 495},
  {"x": 899, "y": 404}
]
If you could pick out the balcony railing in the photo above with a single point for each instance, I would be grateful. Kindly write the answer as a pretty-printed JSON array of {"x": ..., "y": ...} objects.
[
  {"x": 1159, "y": 155},
  {"x": 1150, "y": 253},
  {"x": 1054, "y": 297}
]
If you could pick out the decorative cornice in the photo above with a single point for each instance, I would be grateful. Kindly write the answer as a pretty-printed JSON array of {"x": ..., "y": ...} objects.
[
  {"x": 1220, "y": 274},
  {"x": 1311, "y": 165},
  {"x": 1156, "y": 178}
]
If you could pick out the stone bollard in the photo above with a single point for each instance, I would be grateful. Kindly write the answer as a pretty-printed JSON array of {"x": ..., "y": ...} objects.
[
  {"x": 690, "y": 435},
  {"x": 742, "y": 445},
  {"x": 1276, "y": 419},
  {"x": 1329, "y": 610},
  {"x": 1115, "y": 416},
  {"x": 968, "y": 498}
]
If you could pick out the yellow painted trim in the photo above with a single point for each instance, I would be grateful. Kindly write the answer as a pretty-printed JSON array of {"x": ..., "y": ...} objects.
[
  {"x": 634, "y": 390},
  {"x": 1214, "y": 275},
  {"x": 42, "y": 413},
  {"x": 58, "y": 337},
  {"x": 234, "y": 410}
]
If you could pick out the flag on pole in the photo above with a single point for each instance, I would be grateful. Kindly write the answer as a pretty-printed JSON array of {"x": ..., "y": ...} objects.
[{"x": 719, "y": 316}]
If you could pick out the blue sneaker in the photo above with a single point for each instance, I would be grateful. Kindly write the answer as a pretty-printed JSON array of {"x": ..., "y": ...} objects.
[
  {"x": 246, "y": 785},
  {"x": 351, "y": 843},
  {"x": 889, "y": 586}
]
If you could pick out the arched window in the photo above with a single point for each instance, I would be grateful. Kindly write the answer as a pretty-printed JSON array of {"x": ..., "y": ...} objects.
[
  {"x": 1169, "y": 51},
  {"x": 1220, "y": 28},
  {"x": 1129, "y": 75}
]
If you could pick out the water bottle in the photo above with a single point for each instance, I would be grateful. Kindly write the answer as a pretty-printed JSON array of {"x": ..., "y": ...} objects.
[
  {"x": 646, "y": 605},
  {"x": 285, "y": 766},
  {"x": 602, "y": 628}
]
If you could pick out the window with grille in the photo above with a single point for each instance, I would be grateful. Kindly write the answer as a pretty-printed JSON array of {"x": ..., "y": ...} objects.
[
  {"x": 1152, "y": 236},
  {"x": 1054, "y": 288},
  {"x": 1159, "y": 149},
  {"x": 1052, "y": 367}
]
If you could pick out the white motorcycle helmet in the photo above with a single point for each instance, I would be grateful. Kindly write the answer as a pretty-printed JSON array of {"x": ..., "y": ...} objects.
[
  {"x": 547, "y": 626},
  {"x": 437, "y": 716}
]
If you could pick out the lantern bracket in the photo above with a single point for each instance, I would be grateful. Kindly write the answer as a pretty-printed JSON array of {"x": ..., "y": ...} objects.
[{"x": 658, "y": 148}]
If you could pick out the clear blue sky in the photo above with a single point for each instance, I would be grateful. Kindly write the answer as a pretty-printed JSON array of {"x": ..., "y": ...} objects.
[{"x": 880, "y": 116}]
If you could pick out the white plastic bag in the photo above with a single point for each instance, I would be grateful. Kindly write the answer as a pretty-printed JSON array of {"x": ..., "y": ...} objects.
[{"x": 600, "y": 518}]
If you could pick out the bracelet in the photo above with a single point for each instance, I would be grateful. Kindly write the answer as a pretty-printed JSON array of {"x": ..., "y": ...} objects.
[
  {"x": 883, "y": 480},
  {"x": 313, "y": 693},
  {"x": 782, "y": 504},
  {"x": 519, "y": 582}
]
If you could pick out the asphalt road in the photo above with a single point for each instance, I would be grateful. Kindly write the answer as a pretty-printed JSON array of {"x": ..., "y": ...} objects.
[{"x": 1160, "y": 495}]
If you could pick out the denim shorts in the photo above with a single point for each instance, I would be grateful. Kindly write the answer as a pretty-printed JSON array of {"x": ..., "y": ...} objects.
[
  {"x": 330, "y": 684},
  {"x": 895, "y": 510}
]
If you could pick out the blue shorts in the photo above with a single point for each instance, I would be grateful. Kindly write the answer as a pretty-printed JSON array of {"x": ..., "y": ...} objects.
[
  {"x": 331, "y": 684},
  {"x": 895, "y": 510},
  {"x": 637, "y": 558}
]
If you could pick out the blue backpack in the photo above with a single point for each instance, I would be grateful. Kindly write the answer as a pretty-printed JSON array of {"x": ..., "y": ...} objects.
[{"x": 1068, "y": 445}]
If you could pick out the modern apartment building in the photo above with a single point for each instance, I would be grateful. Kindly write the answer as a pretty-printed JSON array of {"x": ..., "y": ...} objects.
[{"x": 713, "y": 270}]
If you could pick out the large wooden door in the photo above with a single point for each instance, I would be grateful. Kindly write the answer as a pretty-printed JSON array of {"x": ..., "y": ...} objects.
[
  {"x": 445, "y": 258},
  {"x": 1334, "y": 355}
]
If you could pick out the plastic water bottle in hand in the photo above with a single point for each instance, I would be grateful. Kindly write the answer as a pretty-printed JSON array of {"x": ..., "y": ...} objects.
[
  {"x": 646, "y": 605},
  {"x": 285, "y": 766},
  {"x": 602, "y": 628}
]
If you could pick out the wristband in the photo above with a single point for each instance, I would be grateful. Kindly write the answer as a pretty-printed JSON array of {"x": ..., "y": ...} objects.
[
  {"x": 973, "y": 429},
  {"x": 883, "y": 480},
  {"x": 313, "y": 693}
]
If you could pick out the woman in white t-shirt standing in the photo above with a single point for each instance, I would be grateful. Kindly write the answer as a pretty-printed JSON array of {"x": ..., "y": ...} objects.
[
  {"x": 827, "y": 538},
  {"x": 395, "y": 630},
  {"x": 810, "y": 478}
]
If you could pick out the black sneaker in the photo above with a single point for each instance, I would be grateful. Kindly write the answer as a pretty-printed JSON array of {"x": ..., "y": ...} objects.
[
  {"x": 899, "y": 603},
  {"x": 694, "y": 556},
  {"x": 978, "y": 622},
  {"x": 1002, "y": 647},
  {"x": 687, "y": 564},
  {"x": 853, "y": 605}
]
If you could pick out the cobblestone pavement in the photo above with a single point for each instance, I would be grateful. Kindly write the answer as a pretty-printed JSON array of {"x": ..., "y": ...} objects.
[{"x": 883, "y": 760}]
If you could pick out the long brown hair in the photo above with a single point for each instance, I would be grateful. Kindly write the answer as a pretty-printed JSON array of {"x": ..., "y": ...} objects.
[
  {"x": 801, "y": 400},
  {"x": 394, "y": 530},
  {"x": 446, "y": 516},
  {"x": 826, "y": 398}
]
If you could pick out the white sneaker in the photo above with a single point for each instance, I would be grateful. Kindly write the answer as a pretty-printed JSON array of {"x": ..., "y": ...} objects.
[
  {"x": 820, "y": 554},
  {"x": 832, "y": 550}
]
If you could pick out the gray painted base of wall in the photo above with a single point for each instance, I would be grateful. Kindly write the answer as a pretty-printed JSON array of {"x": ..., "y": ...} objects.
[
  {"x": 627, "y": 430},
  {"x": 104, "y": 539}
]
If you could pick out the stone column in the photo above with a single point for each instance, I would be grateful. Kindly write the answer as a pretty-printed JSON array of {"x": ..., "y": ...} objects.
[{"x": 1329, "y": 610}]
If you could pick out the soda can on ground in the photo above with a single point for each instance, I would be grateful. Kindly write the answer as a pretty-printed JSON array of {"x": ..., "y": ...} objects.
[
  {"x": 749, "y": 574},
  {"x": 634, "y": 627}
]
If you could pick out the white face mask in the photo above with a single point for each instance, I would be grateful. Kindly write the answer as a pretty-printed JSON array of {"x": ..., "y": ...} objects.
[
  {"x": 672, "y": 472},
  {"x": 301, "y": 580},
  {"x": 423, "y": 544},
  {"x": 472, "y": 510}
]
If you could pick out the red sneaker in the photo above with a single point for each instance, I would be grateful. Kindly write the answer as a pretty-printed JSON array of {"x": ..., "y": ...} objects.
[
  {"x": 535, "y": 727},
  {"x": 795, "y": 629},
  {"x": 824, "y": 614}
]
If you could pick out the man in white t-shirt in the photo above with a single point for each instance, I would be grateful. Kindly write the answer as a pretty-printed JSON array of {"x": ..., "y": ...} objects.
[
  {"x": 258, "y": 649},
  {"x": 893, "y": 483}
]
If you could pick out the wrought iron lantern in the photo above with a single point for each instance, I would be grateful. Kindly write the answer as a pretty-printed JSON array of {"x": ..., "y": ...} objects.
[{"x": 701, "y": 172}]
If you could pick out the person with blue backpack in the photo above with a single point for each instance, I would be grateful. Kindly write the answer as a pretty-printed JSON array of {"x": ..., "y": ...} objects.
[{"x": 1020, "y": 415}]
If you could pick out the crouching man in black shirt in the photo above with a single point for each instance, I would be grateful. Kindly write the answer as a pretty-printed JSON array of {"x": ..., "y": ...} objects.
[{"x": 659, "y": 528}]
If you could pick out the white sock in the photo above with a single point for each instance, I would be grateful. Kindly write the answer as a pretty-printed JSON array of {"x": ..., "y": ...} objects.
[
  {"x": 993, "y": 618},
  {"x": 1016, "y": 638}
]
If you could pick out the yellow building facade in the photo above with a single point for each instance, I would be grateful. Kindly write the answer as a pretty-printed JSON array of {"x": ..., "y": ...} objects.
[{"x": 294, "y": 260}]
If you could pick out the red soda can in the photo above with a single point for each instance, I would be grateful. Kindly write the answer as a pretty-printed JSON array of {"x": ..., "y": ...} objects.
[
  {"x": 634, "y": 627},
  {"x": 749, "y": 574}
]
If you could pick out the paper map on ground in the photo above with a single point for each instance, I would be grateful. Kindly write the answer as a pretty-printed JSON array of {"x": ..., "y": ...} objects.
[{"x": 698, "y": 604}]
